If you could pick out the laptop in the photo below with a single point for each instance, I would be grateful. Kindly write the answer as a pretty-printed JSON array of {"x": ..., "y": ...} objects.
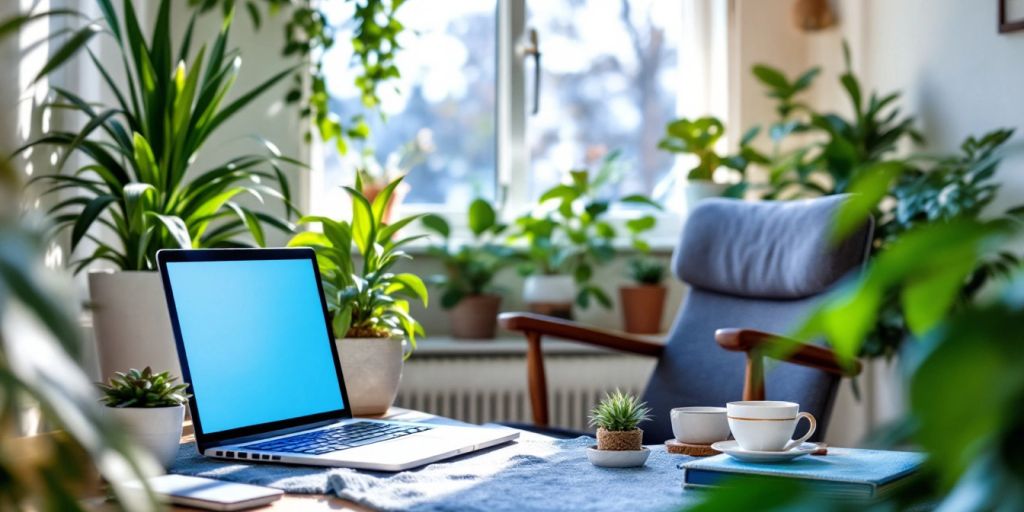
[{"x": 255, "y": 344}]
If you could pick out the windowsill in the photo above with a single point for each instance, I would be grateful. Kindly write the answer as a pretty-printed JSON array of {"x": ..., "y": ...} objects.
[{"x": 447, "y": 347}]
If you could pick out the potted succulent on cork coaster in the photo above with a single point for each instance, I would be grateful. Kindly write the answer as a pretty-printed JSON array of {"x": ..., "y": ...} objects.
[{"x": 619, "y": 438}]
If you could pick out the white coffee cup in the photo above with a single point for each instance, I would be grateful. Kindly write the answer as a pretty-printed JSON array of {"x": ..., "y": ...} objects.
[
  {"x": 767, "y": 425},
  {"x": 699, "y": 425}
]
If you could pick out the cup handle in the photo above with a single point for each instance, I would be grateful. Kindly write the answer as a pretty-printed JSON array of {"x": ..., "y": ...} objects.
[{"x": 810, "y": 431}]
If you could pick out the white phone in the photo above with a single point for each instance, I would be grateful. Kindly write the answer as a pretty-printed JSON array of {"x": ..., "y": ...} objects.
[{"x": 209, "y": 494}]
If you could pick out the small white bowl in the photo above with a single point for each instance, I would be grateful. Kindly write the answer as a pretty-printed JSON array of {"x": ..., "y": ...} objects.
[{"x": 617, "y": 458}]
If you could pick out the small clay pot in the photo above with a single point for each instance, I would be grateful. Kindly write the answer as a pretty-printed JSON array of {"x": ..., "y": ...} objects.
[
  {"x": 476, "y": 317},
  {"x": 620, "y": 440},
  {"x": 642, "y": 307}
]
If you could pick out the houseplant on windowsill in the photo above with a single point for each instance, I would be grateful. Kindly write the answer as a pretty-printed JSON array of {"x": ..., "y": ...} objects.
[
  {"x": 376, "y": 176},
  {"x": 152, "y": 408},
  {"x": 566, "y": 238},
  {"x": 699, "y": 137},
  {"x": 368, "y": 303},
  {"x": 468, "y": 292},
  {"x": 137, "y": 190},
  {"x": 619, "y": 437},
  {"x": 644, "y": 301}
]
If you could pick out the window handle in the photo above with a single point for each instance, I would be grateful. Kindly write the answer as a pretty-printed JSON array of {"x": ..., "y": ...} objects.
[{"x": 534, "y": 51}]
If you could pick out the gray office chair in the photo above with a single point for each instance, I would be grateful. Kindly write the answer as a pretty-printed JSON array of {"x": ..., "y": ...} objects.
[{"x": 753, "y": 268}]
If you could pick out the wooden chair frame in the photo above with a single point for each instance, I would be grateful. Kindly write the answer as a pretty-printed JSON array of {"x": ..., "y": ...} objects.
[{"x": 756, "y": 344}]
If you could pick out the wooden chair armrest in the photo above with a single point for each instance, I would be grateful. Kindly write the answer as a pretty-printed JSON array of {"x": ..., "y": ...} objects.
[
  {"x": 757, "y": 344},
  {"x": 574, "y": 331},
  {"x": 535, "y": 326}
]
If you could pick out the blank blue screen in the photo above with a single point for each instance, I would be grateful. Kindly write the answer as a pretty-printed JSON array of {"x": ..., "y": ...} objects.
[{"x": 256, "y": 341}]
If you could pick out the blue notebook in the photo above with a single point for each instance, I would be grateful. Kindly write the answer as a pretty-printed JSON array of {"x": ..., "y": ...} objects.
[{"x": 843, "y": 472}]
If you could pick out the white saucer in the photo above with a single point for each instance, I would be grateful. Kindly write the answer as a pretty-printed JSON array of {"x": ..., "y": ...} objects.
[
  {"x": 732, "y": 448},
  {"x": 617, "y": 458}
]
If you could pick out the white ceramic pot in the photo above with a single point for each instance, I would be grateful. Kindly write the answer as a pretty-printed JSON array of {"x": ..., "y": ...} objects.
[
  {"x": 156, "y": 429},
  {"x": 133, "y": 327},
  {"x": 557, "y": 289},
  {"x": 372, "y": 368},
  {"x": 698, "y": 190}
]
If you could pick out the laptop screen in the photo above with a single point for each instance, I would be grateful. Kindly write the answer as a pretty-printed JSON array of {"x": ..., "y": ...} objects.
[{"x": 255, "y": 339}]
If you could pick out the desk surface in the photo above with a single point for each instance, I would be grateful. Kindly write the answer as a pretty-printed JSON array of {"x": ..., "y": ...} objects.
[{"x": 314, "y": 502}]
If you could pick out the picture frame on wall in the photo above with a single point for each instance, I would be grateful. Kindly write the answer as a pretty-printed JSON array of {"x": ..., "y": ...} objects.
[{"x": 1011, "y": 16}]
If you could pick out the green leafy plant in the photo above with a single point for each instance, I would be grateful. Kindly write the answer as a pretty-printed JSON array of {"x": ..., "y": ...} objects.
[
  {"x": 619, "y": 412},
  {"x": 309, "y": 35},
  {"x": 138, "y": 180},
  {"x": 699, "y": 137},
  {"x": 366, "y": 298},
  {"x": 470, "y": 267},
  {"x": 40, "y": 343},
  {"x": 143, "y": 389},
  {"x": 567, "y": 232},
  {"x": 646, "y": 271}
]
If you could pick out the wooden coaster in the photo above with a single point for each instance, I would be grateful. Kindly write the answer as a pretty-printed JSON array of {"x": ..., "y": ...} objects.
[{"x": 693, "y": 450}]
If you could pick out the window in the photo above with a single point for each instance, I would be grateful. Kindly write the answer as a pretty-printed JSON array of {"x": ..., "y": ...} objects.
[{"x": 611, "y": 75}]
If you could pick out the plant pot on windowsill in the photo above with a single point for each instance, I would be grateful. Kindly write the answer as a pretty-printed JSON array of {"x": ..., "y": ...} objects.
[
  {"x": 551, "y": 295},
  {"x": 698, "y": 190},
  {"x": 642, "y": 307},
  {"x": 475, "y": 317},
  {"x": 373, "y": 371},
  {"x": 152, "y": 409}
]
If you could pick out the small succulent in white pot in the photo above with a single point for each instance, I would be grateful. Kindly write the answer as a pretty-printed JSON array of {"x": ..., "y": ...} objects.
[
  {"x": 152, "y": 407},
  {"x": 367, "y": 300}
]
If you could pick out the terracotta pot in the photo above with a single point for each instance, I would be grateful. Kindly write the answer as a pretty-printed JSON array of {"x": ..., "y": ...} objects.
[
  {"x": 551, "y": 295},
  {"x": 642, "y": 308},
  {"x": 372, "y": 368},
  {"x": 476, "y": 317},
  {"x": 132, "y": 324},
  {"x": 616, "y": 440}
]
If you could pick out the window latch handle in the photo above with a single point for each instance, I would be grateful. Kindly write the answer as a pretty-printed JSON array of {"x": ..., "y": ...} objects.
[{"x": 534, "y": 51}]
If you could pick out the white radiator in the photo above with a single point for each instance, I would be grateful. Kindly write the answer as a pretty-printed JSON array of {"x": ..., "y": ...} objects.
[{"x": 482, "y": 388}]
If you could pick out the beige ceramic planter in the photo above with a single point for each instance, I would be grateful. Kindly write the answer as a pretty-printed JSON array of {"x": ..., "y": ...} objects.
[{"x": 372, "y": 368}]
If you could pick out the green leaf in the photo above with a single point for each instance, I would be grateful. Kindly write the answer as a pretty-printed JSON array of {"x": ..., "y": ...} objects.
[
  {"x": 363, "y": 225},
  {"x": 641, "y": 199},
  {"x": 380, "y": 203},
  {"x": 871, "y": 185},
  {"x": 414, "y": 284},
  {"x": 481, "y": 216},
  {"x": 176, "y": 228},
  {"x": 640, "y": 224},
  {"x": 437, "y": 224},
  {"x": 88, "y": 216},
  {"x": 771, "y": 77},
  {"x": 75, "y": 43}
]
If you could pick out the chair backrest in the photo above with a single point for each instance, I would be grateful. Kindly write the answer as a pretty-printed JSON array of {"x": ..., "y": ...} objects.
[{"x": 758, "y": 265}]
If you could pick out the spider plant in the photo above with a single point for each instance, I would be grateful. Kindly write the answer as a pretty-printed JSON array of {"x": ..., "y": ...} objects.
[
  {"x": 137, "y": 178},
  {"x": 365, "y": 298}
]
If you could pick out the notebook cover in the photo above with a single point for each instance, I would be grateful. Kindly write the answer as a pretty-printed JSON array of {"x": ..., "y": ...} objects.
[{"x": 842, "y": 471}]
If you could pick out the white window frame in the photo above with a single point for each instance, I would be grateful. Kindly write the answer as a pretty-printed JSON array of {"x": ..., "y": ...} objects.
[{"x": 703, "y": 90}]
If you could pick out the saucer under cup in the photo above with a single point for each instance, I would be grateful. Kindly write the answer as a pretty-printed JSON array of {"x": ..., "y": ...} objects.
[{"x": 732, "y": 449}]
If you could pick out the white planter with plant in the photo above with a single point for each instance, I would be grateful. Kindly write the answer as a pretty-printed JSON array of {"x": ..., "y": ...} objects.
[
  {"x": 619, "y": 437},
  {"x": 368, "y": 302},
  {"x": 151, "y": 407},
  {"x": 566, "y": 238},
  {"x": 138, "y": 183},
  {"x": 699, "y": 137},
  {"x": 467, "y": 286}
]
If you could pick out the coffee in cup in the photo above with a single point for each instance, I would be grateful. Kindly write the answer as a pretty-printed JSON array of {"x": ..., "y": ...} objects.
[{"x": 767, "y": 425}]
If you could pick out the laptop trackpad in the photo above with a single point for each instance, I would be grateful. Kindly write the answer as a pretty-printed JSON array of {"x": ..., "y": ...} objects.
[{"x": 403, "y": 450}]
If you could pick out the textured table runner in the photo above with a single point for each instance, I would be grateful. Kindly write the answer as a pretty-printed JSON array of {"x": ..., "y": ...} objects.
[{"x": 529, "y": 474}]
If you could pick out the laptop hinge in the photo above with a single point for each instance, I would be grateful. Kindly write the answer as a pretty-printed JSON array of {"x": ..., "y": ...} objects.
[{"x": 271, "y": 433}]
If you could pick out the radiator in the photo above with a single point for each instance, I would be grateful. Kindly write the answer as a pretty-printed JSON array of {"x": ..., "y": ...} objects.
[{"x": 480, "y": 388}]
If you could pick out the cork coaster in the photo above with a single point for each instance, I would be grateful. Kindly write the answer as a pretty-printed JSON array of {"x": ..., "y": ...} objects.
[{"x": 693, "y": 450}]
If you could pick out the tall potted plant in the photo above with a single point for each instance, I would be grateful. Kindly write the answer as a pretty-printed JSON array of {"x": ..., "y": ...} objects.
[
  {"x": 468, "y": 292},
  {"x": 566, "y": 238},
  {"x": 138, "y": 182},
  {"x": 368, "y": 302},
  {"x": 698, "y": 137}
]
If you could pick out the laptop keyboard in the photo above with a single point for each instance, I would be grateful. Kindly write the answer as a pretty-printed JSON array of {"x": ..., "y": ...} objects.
[{"x": 351, "y": 435}]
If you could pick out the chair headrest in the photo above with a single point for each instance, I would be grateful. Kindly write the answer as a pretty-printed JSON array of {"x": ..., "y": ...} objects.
[{"x": 767, "y": 249}]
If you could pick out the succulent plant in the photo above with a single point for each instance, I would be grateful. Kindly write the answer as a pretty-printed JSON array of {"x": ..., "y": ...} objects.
[
  {"x": 619, "y": 412},
  {"x": 646, "y": 271},
  {"x": 143, "y": 389}
]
